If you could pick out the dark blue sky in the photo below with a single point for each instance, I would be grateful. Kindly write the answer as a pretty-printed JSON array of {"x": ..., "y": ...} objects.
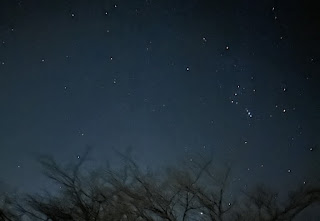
[{"x": 235, "y": 79}]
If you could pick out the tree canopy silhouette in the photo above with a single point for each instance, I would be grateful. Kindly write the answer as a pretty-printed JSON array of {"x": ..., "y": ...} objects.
[{"x": 193, "y": 192}]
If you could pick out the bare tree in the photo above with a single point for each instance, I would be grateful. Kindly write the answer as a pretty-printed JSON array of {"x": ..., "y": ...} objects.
[
  {"x": 7, "y": 209},
  {"x": 264, "y": 205},
  {"x": 193, "y": 192}
]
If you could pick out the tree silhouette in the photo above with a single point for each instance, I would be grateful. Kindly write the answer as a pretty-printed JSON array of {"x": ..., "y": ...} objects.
[{"x": 193, "y": 192}]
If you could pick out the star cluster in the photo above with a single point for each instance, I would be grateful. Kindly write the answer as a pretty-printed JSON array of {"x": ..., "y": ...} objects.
[{"x": 170, "y": 79}]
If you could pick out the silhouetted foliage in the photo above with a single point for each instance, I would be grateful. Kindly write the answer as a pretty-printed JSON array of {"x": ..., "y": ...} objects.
[{"x": 193, "y": 192}]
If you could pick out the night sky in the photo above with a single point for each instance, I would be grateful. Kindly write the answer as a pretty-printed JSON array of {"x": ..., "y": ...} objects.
[{"x": 235, "y": 79}]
